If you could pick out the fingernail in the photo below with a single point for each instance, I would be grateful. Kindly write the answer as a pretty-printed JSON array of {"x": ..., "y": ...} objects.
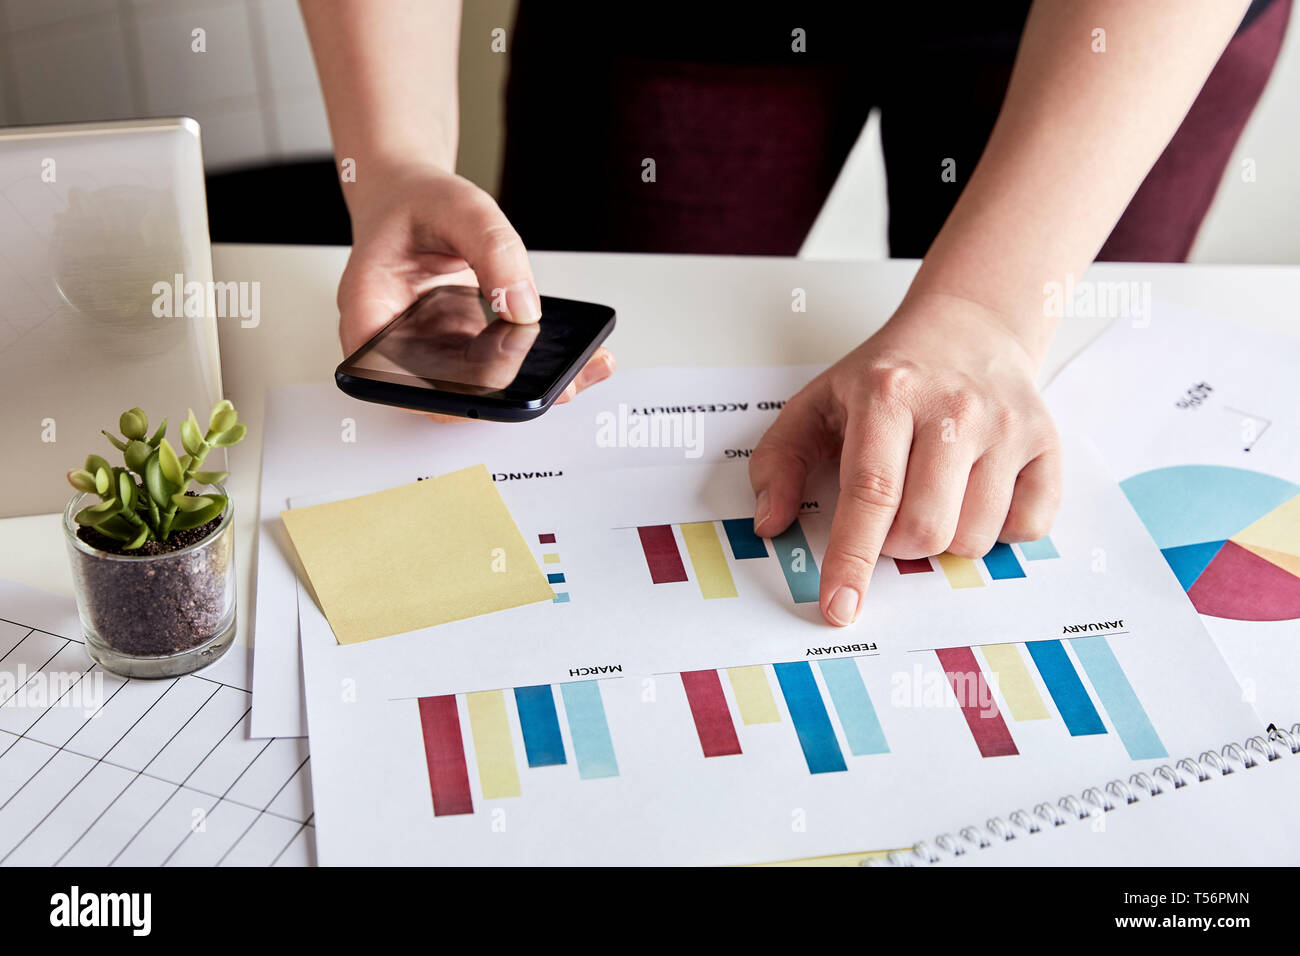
[
  {"x": 843, "y": 608},
  {"x": 762, "y": 509},
  {"x": 523, "y": 303}
]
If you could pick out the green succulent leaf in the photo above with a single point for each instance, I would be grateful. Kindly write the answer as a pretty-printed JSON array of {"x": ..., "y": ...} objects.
[
  {"x": 136, "y": 454},
  {"x": 94, "y": 463},
  {"x": 81, "y": 480},
  {"x": 232, "y": 437},
  {"x": 126, "y": 490},
  {"x": 186, "y": 502},
  {"x": 210, "y": 477},
  {"x": 191, "y": 437},
  {"x": 159, "y": 434},
  {"x": 160, "y": 489},
  {"x": 192, "y": 519},
  {"x": 116, "y": 528},
  {"x": 95, "y": 514},
  {"x": 103, "y": 481},
  {"x": 134, "y": 424},
  {"x": 171, "y": 465},
  {"x": 116, "y": 442},
  {"x": 138, "y": 540},
  {"x": 223, "y": 417}
]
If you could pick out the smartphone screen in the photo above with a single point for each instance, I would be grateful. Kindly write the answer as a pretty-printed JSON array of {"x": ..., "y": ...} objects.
[{"x": 450, "y": 340}]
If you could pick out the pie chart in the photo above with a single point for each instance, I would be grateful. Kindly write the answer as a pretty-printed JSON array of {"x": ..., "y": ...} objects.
[{"x": 1232, "y": 536}]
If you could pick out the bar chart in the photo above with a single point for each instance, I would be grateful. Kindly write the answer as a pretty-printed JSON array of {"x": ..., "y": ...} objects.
[
  {"x": 1000, "y": 564},
  {"x": 807, "y": 708},
  {"x": 1061, "y": 678},
  {"x": 492, "y": 741},
  {"x": 708, "y": 560},
  {"x": 551, "y": 563}
]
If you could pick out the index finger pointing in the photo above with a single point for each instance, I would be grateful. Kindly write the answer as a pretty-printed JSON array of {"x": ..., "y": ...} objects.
[{"x": 872, "y": 466}]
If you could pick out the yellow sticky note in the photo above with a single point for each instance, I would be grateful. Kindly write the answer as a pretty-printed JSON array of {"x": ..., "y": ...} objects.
[{"x": 411, "y": 557}]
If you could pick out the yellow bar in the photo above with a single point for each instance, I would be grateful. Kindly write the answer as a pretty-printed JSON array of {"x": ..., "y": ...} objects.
[
  {"x": 1013, "y": 679},
  {"x": 710, "y": 563},
  {"x": 493, "y": 750},
  {"x": 961, "y": 572},
  {"x": 753, "y": 694},
  {"x": 550, "y": 557}
]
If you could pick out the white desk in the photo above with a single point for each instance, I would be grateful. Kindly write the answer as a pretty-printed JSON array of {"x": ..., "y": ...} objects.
[{"x": 672, "y": 310}]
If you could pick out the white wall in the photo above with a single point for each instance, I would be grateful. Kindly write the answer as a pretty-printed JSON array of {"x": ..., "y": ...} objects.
[{"x": 254, "y": 92}]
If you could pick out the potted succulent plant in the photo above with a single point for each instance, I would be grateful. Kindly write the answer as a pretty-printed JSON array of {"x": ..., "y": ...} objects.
[{"x": 153, "y": 560}]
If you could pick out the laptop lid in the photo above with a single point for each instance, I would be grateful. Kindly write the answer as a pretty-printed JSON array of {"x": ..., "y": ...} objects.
[{"x": 100, "y": 225}]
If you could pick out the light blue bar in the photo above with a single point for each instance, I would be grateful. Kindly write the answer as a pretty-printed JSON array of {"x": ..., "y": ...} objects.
[
  {"x": 1038, "y": 550},
  {"x": 561, "y": 597},
  {"x": 592, "y": 748},
  {"x": 853, "y": 706},
  {"x": 804, "y": 584},
  {"x": 1122, "y": 705}
]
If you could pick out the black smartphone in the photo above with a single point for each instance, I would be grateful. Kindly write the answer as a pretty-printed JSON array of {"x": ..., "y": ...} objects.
[{"x": 450, "y": 353}]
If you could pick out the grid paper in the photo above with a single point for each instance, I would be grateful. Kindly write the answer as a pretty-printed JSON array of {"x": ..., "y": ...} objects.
[{"x": 99, "y": 770}]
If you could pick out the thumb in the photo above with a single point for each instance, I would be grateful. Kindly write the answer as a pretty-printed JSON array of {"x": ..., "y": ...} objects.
[
  {"x": 484, "y": 238},
  {"x": 779, "y": 466}
]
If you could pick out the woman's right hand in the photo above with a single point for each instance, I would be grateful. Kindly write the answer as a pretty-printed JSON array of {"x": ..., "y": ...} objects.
[{"x": 418, "y": 226}]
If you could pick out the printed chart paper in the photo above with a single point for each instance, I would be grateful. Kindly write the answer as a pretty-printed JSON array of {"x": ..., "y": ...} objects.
[
  {"x": 1198, "y": 419},
  {"x": 417, "y": 555},
  {"x": 99, "y": 770},
  {"x": 319, "y": 442},
  {"x": 679, "y": 701}
]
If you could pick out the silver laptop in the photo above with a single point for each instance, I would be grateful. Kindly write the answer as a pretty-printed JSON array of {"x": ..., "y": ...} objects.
[{"x": 100, "y": 225}]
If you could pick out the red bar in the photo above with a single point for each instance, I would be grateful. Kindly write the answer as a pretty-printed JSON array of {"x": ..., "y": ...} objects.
[
  {"x": 445, "y": 753},
  {"x": 548, "y": 538},
  {"x": 985, "y": 722},
  {"x": 712, "y": 716},
  {"x": 913, "y": 565},
  {"x": 661, "y": 553}
]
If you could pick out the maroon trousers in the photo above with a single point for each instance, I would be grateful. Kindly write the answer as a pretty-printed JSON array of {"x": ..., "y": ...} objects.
[{"x": 743, "y": 154}]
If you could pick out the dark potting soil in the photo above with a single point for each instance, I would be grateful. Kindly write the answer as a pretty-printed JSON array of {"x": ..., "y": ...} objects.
[
  {"x": 175, "y": 541},
  {"x": 163, "y": 606}
]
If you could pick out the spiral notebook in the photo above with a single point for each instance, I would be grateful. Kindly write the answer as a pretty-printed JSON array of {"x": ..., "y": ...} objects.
[{"x": 1229, "y": 807}]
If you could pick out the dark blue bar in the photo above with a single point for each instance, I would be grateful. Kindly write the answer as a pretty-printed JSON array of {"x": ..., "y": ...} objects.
[
  {"x": 555, "y": 577},
  {"x": 541, "y": 726},
  {"x": 811, "y": 722},
  {"x": 744, "y": 543},
  {"x": 1063, "y": 683},
  {"x": 1002, "y": 563}
]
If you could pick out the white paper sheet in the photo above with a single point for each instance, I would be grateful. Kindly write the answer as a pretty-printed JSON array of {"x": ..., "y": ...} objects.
[
  {"x": 98, "y": 770},
  {"x": 647, "y": 794},
  {"x": 1213, "y": 403},
  {"x": 318, "y": 441},
  {"x": 1244, "y": 818}
]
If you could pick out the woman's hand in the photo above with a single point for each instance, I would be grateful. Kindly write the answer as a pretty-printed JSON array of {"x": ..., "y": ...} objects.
[
  {"x": 943, "y": 440},
  {"x": 415, "y": 227}
]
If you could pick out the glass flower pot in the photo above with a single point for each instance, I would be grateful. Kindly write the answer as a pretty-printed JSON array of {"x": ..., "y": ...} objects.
[{"x": 155, "y": 615}]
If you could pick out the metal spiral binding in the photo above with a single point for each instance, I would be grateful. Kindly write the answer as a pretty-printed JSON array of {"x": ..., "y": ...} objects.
[{"x": 1232, "y": 758}]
